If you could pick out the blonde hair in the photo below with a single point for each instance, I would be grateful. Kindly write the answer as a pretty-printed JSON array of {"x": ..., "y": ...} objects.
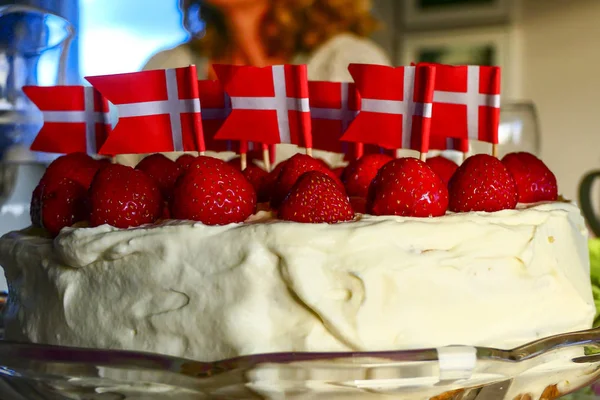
[{"x": 289, "y": 27}]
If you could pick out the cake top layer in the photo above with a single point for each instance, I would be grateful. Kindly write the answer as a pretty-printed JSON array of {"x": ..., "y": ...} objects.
[
  {"x": 80, "y": 246},
  {"x": 213, "y": 292},
  {"x": 301, "y": 189}
]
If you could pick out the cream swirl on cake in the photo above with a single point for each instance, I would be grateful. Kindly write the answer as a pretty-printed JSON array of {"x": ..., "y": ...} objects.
[{"x": 377, "y": 283}]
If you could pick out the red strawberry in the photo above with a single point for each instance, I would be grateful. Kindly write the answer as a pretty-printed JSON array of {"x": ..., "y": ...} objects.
[
  {"x": 339, "y": 172},
  {"x": 443, "y": 167},
  {"x": 295, "y": 167},
  {"x": 166, "y": 212},
  {"x": 214, "y": 193},
  {"x": 359, "y": 204},
  {"x": 258, "y": 178},
  {"x": 316, "y": 198},
  {"x": 184, "y": 161},
  {"x": 407, "y": 187},
  {"x": 35, "y": 209},
  {"x": 104, "y": 162},
  {"x": 124, "y": 197},
  {"x": 163, "y": 170},
  {"x": 237, "y": 162},
  {"x": 59, "y": 203},
  {"x": 482, "y": 183},
  {"x": 535, "y": 182},
  {"x": 78, "y": 167},
  {"x": 271, "y": 179},
  {"x": 360, "y": 173},
  {"x": 325, "y": 163}
]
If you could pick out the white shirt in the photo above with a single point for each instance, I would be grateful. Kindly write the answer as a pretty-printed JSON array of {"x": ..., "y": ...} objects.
[{"x": 328, "y": 63}]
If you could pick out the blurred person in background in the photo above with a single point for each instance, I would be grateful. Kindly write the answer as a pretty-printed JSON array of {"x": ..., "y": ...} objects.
[{"x": 327, "y": 35}]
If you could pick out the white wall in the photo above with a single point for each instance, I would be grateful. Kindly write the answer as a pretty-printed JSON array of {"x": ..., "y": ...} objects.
[
  {"x": 558, "y": 68},
  {"x": 561, "y": 74}
]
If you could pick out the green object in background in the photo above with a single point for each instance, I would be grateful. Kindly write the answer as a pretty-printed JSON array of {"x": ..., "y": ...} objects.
[
  {"x": 594, "y": 246},
  {"x": 592, "y": 392}
]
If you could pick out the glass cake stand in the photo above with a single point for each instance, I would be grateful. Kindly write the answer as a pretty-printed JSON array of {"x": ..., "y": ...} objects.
[{"x": 545, "y": 369}]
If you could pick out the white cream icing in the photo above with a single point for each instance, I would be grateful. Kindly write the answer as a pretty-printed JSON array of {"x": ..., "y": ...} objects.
[{"x": 378, "y": 283}]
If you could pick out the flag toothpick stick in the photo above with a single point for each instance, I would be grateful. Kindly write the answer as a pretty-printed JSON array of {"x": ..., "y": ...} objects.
[
  {"x": 267, "y": 158},
  {"x": 243, "y": 161},
  {"x": 309, "y": 151},
  {"x": 495, "y": 150},
  {"x": 422, "y": 156}
]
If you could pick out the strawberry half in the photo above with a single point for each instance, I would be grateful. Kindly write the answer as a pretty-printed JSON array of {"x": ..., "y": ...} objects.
[
  {"x": 361, "y": 172},
  {"x": 535, "y": 182},
  {"x": 184, "y": 161},
  {"x": 258, "y": 179},
  {"x": 271, "y": 179},
  {"x": 35, "y": 208},
  {"x": 359, "y": 204},
  {"x": 78, "y": 167},
  {"x": 163, "y": 170},
  {"x": 124, "y": 197},
  {"x": 58, "y": 204},
  {"x": 443, "y": 167},
  {"x": 339, "y": 172},
  {"x": 214, "y": 193},
  {"x": 316, "y": 198},
  {"x": 294, "y": 168},
  {"x": 409, "y": 188},
  {"x": 482, "y": 183}
]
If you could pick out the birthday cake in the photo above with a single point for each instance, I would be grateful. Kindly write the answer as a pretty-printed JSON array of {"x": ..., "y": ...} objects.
[
  {"x": 207, "y": 259},
  {"x": 217, "y": 289}
]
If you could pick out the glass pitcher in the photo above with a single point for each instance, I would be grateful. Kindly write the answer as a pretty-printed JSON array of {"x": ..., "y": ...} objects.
[
  {"x": 34, "y": 47},
  {"x": 33, "y": 51}
]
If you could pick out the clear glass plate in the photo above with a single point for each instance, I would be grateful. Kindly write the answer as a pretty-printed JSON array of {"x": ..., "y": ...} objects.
[{"x": 544, "y": 369}]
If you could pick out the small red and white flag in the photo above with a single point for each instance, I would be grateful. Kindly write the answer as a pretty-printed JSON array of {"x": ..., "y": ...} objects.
[
  {"x": 159, "y": 111},
  {"x": 268, "y": 105},
  {"x": 76, "y": 118},
  {"x": 466, "y": 102},
  {"x": 216, "y": 107},
  {"x": 448, "y": 143},
  {"x": 333, "y": 106},
  {"x": 395, "y": 109}
]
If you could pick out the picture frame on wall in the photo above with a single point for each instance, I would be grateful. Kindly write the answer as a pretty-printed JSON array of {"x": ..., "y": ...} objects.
[
  {"x": 485, "y": 46},
  {"x": 440, "y": 14}
]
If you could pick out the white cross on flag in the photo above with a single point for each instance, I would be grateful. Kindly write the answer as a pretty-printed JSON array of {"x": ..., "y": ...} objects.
[
  {"x": 159, "y": 111},
  {"x": 395, "y": 109},
  {"x": 333, "y": 106},
  {"x": 75, "y": 118},
  {"x": 466, "y": 102},
  {"x": 268, "y": 105},
  {"x": 216, "y": 107}
]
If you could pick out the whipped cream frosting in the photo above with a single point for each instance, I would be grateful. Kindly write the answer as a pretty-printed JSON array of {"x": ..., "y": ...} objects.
[{"x": 377, "y": 283}]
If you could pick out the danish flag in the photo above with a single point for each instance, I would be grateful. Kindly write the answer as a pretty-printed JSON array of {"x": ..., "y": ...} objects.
[
  {"x": 216, "y": 107},
  {"x": 448, "y": 143},
  {"x": 158, "y": 111},
  {"x": 395, "y": 109},
  {"x": 333, "y": 106},
  {"x": 76, "y": 118},
  {"x": 466, "y": 102},
  {"x": 268, "y": 105}
]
